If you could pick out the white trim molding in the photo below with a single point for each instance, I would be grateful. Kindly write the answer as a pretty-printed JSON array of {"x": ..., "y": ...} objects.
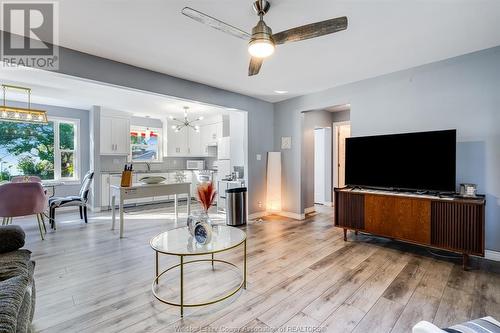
[
  {"x": 492, "y": 255},
  {"x": 309, "y": 210},
  {"x": 257, "y": 215},
  {"x": 295, "y": 216}
]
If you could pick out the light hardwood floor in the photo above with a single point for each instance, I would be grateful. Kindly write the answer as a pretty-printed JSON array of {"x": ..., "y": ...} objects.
[{"x": 301, "y": 274}]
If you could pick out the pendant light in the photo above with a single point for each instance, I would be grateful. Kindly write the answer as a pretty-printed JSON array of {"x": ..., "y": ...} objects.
[
  {"x": 21, "y": 115},
  {"x": 186, "y": 122}
]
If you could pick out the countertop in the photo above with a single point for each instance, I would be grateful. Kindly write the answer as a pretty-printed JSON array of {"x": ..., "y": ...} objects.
[{"x": 154, "y": 171}]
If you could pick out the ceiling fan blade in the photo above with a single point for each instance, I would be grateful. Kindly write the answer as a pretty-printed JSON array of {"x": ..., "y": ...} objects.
[
  {"x": 254, "y": 67},
  {"x": 311, "y": 30},
  {"x": 214, "y": 23}
]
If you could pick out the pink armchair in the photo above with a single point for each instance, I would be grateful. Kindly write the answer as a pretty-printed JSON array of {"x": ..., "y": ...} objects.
[{"x": 23, "y": 199}]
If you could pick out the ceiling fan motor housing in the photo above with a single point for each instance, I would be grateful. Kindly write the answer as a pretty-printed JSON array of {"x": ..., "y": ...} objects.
[
  {"x": 262, "y": 32},
  {"x": 261, "y": 7}
]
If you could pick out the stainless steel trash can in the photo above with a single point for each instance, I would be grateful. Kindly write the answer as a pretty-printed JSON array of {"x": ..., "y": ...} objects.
[{"x": 236, "y": 206}]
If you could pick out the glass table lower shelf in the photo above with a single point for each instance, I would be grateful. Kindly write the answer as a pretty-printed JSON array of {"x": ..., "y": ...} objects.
[{"x": 178, "y": 242}]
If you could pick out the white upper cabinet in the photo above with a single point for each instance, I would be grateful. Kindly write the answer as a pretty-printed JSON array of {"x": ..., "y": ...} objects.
[
  {"x": 213, "y": 132},
  {"x": 115, "y": 135},
  {"x": 177, "y": 142},
  {"x": 189, "y": 143},
  {"x": 224, "y": 148},
  {"x": 194, "y": 140}
]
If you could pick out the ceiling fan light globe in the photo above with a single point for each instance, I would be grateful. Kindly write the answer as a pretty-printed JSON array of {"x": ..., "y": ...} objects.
[{"x": 260, "y": 48}]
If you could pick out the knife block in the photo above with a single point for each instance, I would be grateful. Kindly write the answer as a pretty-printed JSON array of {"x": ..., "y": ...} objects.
[{"x": 126, "y": 179}]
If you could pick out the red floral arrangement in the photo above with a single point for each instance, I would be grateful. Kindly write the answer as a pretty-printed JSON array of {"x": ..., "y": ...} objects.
[{"x": 206, "y": 195}]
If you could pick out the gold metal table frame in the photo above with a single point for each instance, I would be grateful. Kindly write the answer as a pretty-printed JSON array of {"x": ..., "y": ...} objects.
[{"x": 182, "y": 305}]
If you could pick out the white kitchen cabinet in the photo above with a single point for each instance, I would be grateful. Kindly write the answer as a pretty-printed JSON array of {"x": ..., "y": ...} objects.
[
  {"x": 115, "y": 136},
  {"x": 209, "y": 134},
  {"x": 194, "y": 141},
  {"x": 185, "y": 143},
  {"x": 105, "y": 191},
  {"x": 213, "y": 132},
  {"x": 224, "y": 148},
  {"x": 106, "y": 181},
  {"x": 177, "y": 142}
]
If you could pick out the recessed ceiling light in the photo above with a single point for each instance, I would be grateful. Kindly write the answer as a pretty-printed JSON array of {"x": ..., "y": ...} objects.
[{"x": 281, "y": 91}]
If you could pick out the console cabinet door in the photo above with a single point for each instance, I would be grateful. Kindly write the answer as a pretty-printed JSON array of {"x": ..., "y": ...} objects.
[
  {"x": 350, "y": 210},
  {"x": 458, "y": 226},
  {"x": 399, "y": 217}
]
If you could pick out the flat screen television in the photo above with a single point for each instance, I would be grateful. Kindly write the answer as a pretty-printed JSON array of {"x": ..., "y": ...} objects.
[{"x": 424, "y": 161}]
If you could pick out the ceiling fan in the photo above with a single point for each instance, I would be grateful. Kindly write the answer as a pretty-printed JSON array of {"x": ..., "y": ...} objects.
[{"x": 262, "y": 41}]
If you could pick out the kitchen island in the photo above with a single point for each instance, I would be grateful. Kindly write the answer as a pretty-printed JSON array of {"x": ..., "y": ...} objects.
[{"x": 139, "y": 190}]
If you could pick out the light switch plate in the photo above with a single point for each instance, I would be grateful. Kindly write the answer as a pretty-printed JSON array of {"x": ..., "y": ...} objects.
[
  {"x": 286, "y": 142},
  {"x": 259, "y": 157}
]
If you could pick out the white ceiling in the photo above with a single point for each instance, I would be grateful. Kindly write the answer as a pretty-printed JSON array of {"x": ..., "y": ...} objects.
[
  {"x": 382, "y": 37},
  {"x": 61, "y": 90}
]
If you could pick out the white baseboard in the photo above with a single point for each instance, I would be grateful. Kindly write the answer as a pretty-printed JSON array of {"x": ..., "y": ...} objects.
[
  {"x": 257, "y": 215},
  {"x": 309, "y": 210},
  {"x": 492, "y": 255},
  {"x": 95, "y": 209},
  {"x": 291, "y": 215},
  {"x": 328, "y": 204}
]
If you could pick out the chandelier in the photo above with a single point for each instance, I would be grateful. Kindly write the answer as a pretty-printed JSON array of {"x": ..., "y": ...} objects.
[
  {"x": 21, "y": 115},
  {"x": 185, "y": 122}
]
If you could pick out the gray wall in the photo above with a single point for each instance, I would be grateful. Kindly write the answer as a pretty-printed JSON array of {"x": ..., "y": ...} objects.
[
  {"x": 310, "y": 121},
  {"x": 83, "y": 116},
  {"x": 341, "y": 116},
  {"x": 260, "y": 113},
  {"x": 461, "y": 93}
]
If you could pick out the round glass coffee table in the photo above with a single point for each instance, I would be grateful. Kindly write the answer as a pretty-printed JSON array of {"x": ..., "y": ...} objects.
[{"x": 178, "y": 242}]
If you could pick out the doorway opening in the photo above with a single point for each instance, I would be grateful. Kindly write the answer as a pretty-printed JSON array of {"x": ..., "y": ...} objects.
[
  {"x": 323, "y": 166},
  {"x": 323, "y": 148},
  {"x": 342, "y": 132}
]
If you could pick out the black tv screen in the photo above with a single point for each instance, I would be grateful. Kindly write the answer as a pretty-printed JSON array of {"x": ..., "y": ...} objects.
[{"x": 412, "y": 161}]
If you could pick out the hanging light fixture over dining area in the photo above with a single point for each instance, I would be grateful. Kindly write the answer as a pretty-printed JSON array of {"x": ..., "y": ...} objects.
[{"x": 19, "y": 114}]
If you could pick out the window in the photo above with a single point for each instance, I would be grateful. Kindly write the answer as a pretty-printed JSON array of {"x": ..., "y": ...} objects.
[
  {"x": 145, "y": 144},
  {"x": 48, "y": 151}
]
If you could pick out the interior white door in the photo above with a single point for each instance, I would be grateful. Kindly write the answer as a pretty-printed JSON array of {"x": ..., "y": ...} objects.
[
  {"x": 343, "y": 132},
  {"x": 323, "y": 166}
]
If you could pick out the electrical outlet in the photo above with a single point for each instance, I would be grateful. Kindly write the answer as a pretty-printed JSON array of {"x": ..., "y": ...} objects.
[
  {"x": 259, "y": 204},
  {"x": 259, "y": 157}
]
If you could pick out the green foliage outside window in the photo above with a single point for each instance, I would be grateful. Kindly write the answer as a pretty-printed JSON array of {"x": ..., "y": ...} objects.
[{"x": 31, "y": 146}]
